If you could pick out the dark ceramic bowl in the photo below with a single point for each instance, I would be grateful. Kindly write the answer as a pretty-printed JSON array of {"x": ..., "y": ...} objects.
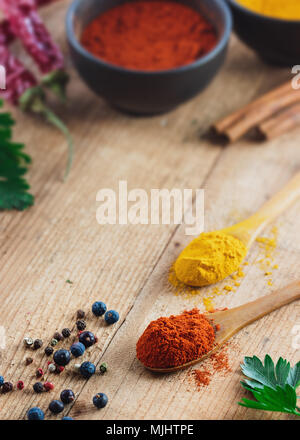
[
  {"x": 275, "y": 40},
  {"x": 142, "y": 92}
]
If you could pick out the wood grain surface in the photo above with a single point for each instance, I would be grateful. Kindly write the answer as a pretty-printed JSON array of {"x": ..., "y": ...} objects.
[{"x": 127, "y": 266}]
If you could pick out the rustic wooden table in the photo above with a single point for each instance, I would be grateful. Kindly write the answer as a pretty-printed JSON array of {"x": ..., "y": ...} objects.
[{"x": 127, "y": 266}]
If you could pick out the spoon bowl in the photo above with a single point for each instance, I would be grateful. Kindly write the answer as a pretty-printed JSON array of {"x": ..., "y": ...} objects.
[
  {"x": 246, "y": 232},
  {"x": 233, "y": 320}
]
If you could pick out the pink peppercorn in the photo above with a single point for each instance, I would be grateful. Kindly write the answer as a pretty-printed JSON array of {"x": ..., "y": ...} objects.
[
  {"x": 59, "y": 369},
  {"x": 48, "y": 386},
  {"x": 39, "y": 373},
  {"x": 20, "y": 385}
]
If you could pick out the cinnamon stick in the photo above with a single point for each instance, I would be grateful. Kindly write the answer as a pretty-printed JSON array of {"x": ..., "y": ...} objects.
[
  {"x": 261, "y": 113},
  {"x": 281, "y": 123},
  {"x": 233, "y": 118}
]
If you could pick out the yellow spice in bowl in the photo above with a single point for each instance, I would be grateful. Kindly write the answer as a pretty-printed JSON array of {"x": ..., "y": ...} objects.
[{"x": 283, "y": 9}]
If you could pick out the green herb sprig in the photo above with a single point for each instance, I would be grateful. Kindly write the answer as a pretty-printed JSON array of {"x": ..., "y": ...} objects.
[
  {"x": 274, "y": 387},
  {"x": 13, "y": 166}
]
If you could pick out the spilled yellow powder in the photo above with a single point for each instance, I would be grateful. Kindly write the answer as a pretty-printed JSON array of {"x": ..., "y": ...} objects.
[
  {"x": 209, "y": 304},
  {"x": 210, "y": 258},
  {"x": 268, "y": 246}
]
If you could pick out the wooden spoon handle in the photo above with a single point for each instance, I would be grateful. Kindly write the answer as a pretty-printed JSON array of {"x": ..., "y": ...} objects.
[
  {"x": 249, "y": 229},
  {"x": 244, "y": 315},
  {"x": 277, "y": 204}
]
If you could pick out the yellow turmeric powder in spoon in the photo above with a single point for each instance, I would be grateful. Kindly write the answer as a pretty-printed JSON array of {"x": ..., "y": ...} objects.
[
  {"x": 283, "y": 9},
  {"x": 214, "y": 256},
  {"x": 209, "y": 258}
]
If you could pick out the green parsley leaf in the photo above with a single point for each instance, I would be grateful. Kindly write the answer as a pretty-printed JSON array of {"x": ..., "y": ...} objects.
[
  {"x": 13, "y": 166},
  {"x": 274, "y": 387},
  {"x": 294, "y": 376},
  {"x": 268, "y": 399}
]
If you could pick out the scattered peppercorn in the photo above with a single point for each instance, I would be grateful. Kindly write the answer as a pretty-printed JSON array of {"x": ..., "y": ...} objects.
[
  {"x": 7, "y": 387},
  {"x": 67, "y": 396},
  {"x": 80, "y": 314},
  {"x": 66, "y": 332},
  {"x": 38, "y": 387},
  {"x": 59, "y": 369},
  {"x": 38, "y": 343},
  {"x": 20, "y": 385},
  {"x": 87, "y": 369},
  {"x": 99, "y": 308},
  {"x": 62, "y": 357},
  {"x": 28, "y": 361},
  {"x": 56, "y": 406},
  {"x": 81, "y": 325},
  {"x": 28, "y": 342},
  {"x": 48, "y": 386},
  {"x": 1, "y": 381},
  {"x": 77, "y": 367},
  {"x": 49, "y": 351},
  {"x": 52, "y": 368},
  {"x": 100, "y": 400},
  {"x": 77, "y": 349},
  {"x": 87, "y": 339},
  {"x": 58, "y": 336},
  {"x": 54, "y": 342},
  {"x": 39, "y": 373},
  {"x": 111, "y": 317},
  {"x": 103, "y": 368},
  {"x": 35, "y": 413}
]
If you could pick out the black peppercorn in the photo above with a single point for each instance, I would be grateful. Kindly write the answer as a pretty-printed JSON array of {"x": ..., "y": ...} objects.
[
  {"x": 37, "y": 344},
  {"x": 58, "y": 336},
  {"x": 103, "y": 368},
  {"x": 48, "y": 351},
  {"x": 28, "y": 361},
  {"x": 66, "y": 332},
  {"x": 80, "y": 314},
  {"x": 81, "y": 325},
  {"x": 7, "y": 387},
  {"x": 38, "y": 387}
]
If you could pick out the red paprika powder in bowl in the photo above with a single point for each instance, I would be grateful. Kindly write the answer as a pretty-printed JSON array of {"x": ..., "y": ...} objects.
[{"x": 148, "y": 56}]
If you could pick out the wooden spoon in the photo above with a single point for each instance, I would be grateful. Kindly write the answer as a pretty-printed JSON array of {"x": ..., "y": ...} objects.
[
  {"x": 246, "y": 231},
  {"x": 233, "y": 320},
  {"x": 249, "y": 229}
]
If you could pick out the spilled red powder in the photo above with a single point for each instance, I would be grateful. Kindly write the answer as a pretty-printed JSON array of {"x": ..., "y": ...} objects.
[
  {"x": 217, "y": 362},
  {"x": 202, "y": 378},
  {"x": 220, "y": 361}
]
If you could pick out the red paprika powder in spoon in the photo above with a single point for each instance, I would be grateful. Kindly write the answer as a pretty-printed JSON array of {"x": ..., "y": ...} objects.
[
  {"x": 177, "y": 340},
  {"x": 149, "y": 35}
]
